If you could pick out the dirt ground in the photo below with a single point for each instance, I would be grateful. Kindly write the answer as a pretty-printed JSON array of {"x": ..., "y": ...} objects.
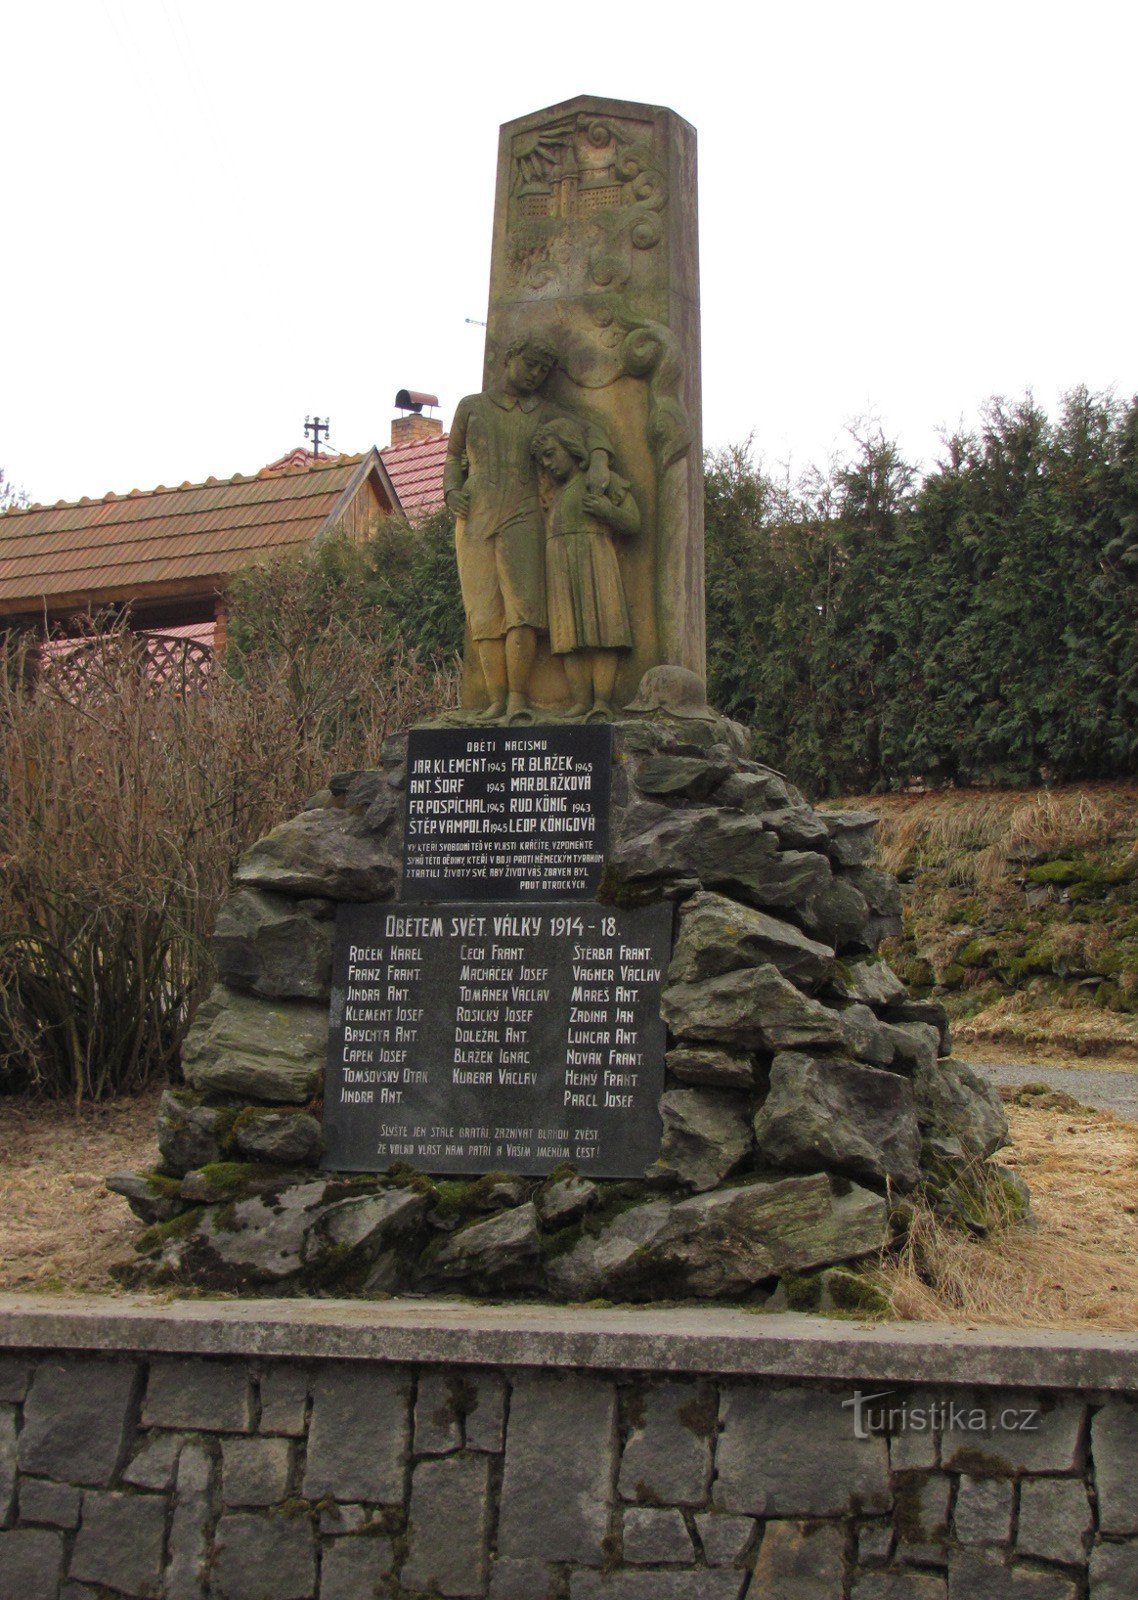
[
  {"x": 62, "y": 1229},
  {"x": 1077, "y": 1267}
]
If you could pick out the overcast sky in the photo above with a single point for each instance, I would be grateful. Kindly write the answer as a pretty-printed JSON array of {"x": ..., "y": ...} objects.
[{"x": 222, "y": 214}]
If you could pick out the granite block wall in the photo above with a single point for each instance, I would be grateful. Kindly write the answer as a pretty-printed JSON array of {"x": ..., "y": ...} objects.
[{"x": 171, "y": 1477}]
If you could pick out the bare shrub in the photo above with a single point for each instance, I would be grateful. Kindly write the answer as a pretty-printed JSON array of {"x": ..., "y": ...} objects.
[{"x": 122, "y": 813}]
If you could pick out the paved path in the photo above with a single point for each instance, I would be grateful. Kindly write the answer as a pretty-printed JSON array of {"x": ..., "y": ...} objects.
[{"x": 1108, "y": 1089}]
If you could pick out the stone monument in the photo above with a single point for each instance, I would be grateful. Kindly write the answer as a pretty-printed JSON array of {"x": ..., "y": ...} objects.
[
  {"x": 567, "y": 996},
  {"x": 593, "y": 330}
]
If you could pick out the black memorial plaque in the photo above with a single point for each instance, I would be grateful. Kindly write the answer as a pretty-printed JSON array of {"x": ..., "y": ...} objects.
[
  {"x": 497, "y": 813},
  {"x": 496, "y": 1038}
]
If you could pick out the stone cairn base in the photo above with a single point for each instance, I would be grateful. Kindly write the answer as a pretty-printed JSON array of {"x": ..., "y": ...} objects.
[{"x": 806, "y": 1095}]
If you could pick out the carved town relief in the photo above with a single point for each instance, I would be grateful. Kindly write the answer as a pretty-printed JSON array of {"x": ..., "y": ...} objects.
[{"x": 586, "y": 193}]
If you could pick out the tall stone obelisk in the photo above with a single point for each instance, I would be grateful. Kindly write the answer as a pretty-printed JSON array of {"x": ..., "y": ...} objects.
[{"x": 595, "y": 256}]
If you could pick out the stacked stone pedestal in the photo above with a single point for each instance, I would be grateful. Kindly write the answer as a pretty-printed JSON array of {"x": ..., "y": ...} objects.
[{"x": 805, "y": 1095}]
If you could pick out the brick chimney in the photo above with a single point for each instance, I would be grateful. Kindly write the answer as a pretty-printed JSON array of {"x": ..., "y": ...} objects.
[{"x": 413, "y": 425}]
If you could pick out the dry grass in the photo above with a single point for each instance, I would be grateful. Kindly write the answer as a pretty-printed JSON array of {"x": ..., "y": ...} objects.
[
  {"x": 1076, "y": 1268},
  {"x": 1015, "y": 1021},
  {"x": 978, "y": 835},
  {"x": 62, "y": 1229}
]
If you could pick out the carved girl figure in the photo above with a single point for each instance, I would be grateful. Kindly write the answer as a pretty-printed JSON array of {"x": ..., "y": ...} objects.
[{"x": 588, "y": 614}]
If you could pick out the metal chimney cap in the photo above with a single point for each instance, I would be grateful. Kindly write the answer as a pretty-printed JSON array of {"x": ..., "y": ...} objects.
[{"x": 415, "y": 400}]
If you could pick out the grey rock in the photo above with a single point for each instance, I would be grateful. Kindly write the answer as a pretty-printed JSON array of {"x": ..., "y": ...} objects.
[
  {"x": 874, "y": 1543},
  {"x": 651, "y": 1535},
  {"x": 718, "y": 935},
  {"x": 985, "y": 1575},
  {"x": 336, "y": 1519},
  {"x": 1114, "y": 1572},
  {"x": 77, "y": 1420},
  {"x": 1114, "y": 1449},
  {"x": 284, "y": 1399},
  {"x": 145, "y": 1197},
  {"x": 667, "y": 1457},
  {"x": 207, "y": 1395},
  {"x": 261, "y": 1240},
  {"x": 254, "y": 1472},
  {"x": 838, "y": 916},
  {"x": 695, "y": 1583},
  {"x": 755, "y": 1009},
  {"x": 717, "y": 1069},
  {"x": 872, "y": 982},
  {"x": 287, "y": 1138},
  {"x": 798, "y": 828},
  {"x": 691, "y": 776},
  {"x": 608, "y": 1258},
  {"x": 915, "y": 1046},
  {"x": 920, "y": 1510},
  {"x": 1053, "y": 1444},
  {"x": 189, "y": 1135},
  {"x": 568, "y": 1420},
  {"x": 329, "y": 853},
  {"x": 725, "y": 1539},
  {"x": 724, "y": 1242},
  {"x": 360, "y": 1432},
  {"x": 880, "y": 890},
  {"x": 53, "y": 1503},
  {"x": 928, "y": 1011},
  {"x": 792, "y": 1453},
  {"x": 522, "y": 1580},
  {"x": 836, "y": 1114},
  {"x": 360, "y": 1229},
  {"x": 718, "y": 847},
  {"x": 707, "y": 1136},
  {"x": 7, "y": 1462},
  {"x": 264, "y": 1558},
  {"x": 800, "y": 1561},
  {"x": 953, "y": 1100},
  {"x": 153, "y": 1466},
  {"x": 851, "y": 836},
  {"x": 449, "y": 1526},
  {"x": 266, "y": 944},
  {"x": 15, "y": 1375},
  {"x": 899, "y": 1586},
  {"x": 502, "y": 1252},
  {"x": 1054, "y": 1515},
  {"x": 866, "y": 1038},
  {"x": 984, "y": 1511},
  {"x": 564, "y": 1200},
  {"x": 188, "y": 1545},
  {"x": 30, "y": 1563},
  {"x": 438, "y": 1414},
  {"x": 911, "y": 1450},
  {"x": 256, "y": 1049},
  {"x": 756, "y": 789},
  {"x": 484, "y": 1422},
  {"x": 119, "y": 1543},
  {"x": 352, "y": 1569}
]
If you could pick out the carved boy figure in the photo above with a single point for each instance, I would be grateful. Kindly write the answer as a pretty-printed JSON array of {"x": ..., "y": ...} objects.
[
  {"x": 588, "y": 615},
  {"x": 491, "y": 486}
]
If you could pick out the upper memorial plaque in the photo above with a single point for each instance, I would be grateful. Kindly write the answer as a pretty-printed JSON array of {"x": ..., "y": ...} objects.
[
  {"x": 497, "y": 813},
  {"x": 575, "y": 475}
]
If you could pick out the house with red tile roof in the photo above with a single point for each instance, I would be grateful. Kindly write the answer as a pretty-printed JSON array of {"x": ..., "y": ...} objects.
[{"x": 168, "y": 553}]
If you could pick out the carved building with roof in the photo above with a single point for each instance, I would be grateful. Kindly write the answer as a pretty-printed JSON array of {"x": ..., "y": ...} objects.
[{"x": 166, "y": 555}]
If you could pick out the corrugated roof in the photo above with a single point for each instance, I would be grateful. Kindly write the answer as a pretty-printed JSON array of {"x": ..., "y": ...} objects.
[
  {"x": 416, "y": 470},
  {"x": 161, "y": 535}
]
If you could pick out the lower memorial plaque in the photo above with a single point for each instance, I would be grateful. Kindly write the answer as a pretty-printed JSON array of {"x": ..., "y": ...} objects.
[{"x": 496, "y": 1038}]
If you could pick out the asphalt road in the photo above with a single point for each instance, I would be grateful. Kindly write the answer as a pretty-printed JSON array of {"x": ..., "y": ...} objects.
[{"x": 1107, "y": 1089}]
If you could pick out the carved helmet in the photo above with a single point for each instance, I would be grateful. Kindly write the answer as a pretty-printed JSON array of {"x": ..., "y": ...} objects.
[{"x": 677, "y": 691}]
